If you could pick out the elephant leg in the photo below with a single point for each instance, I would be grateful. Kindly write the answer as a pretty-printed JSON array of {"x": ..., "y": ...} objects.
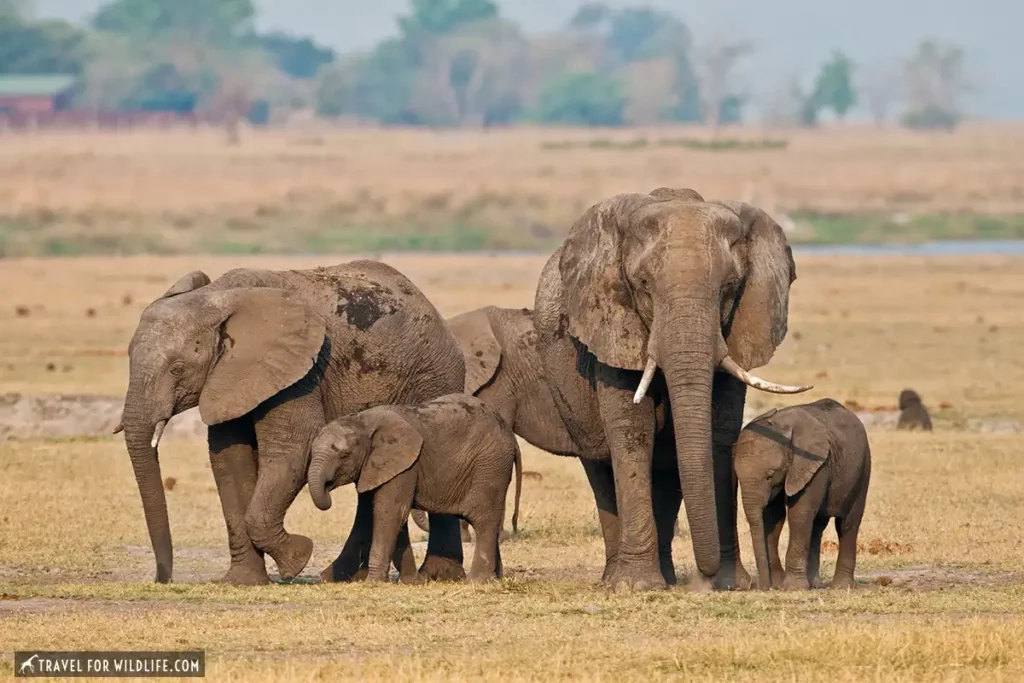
[
  {"x": 404, "y": 559},
  {"x": 485, "y": 560},
  {"x": 351, "y": 563},
  {"x": 444, "y": 550},
  {"x": 728, "y": 396},
  {"x": 774, "y": 520},
  {"x": 391, "y": 504},
  {"x": 602, "y": 482},
  {"x": 801, "y": 527},
  {"x": 667, "y": 498},
  {"x": 629, "y": 432},
  {"x": 814, "y": 553},
  {"x": 233, "y": 461},
  {"x": 285, "y": 432},
  {"x": 848, "y": 528}
]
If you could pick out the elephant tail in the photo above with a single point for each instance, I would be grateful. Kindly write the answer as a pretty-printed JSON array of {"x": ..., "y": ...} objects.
[{"x": 519, "y": 489}]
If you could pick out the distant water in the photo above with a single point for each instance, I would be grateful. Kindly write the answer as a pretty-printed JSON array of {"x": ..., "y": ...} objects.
[{"x": 944, "y": 248}]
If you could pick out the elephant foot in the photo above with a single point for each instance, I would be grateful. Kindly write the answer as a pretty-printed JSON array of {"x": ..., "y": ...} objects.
[
  {"x": 816, "y": 582},
  {"x": 795, "y": 581},
  {"x": 844, "y": 582},
  {"x": 732, "y": 576},
  {"x": 626, "y": 578},
  {"x": 699, "y": 583},
  {"x": 441, "y": 569},
  {"x": 292, "y": 558},
  {"x": 247, "y": 574},
  {"x": 336, "y": 573}
]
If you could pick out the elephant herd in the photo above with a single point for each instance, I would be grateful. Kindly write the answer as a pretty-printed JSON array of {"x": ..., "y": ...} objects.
[{"x": 635, "y": 359}]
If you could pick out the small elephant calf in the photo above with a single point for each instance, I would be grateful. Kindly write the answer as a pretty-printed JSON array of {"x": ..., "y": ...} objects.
[
  {"x": 453, "y": 455},
  {"x": 813, "y": 460}
]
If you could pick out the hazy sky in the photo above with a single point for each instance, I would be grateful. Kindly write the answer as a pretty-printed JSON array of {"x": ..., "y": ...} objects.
[{"x": 792, "y": 36}]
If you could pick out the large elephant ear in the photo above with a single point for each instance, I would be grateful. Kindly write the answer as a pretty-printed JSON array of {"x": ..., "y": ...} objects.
[
  {"x": 480, "y": 348},
  {"x": 599, "y": 302},
  {"x": 394, "y": 447},
  {"x": 810, "y": 451},
  {"x": 760, "y": 319},
  {"x": 269, "y": 340},
  {"x": 188, "y": 283}
]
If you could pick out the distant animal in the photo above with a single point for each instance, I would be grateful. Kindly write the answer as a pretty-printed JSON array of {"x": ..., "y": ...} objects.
[
  {"x": 913, "y": 414},
  {"x": 453, "y": 455},
  {"x": 813, "y": 462}
]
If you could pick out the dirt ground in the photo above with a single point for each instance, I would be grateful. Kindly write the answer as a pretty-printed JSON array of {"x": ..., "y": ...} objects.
[{"x": 941, "y": 593}]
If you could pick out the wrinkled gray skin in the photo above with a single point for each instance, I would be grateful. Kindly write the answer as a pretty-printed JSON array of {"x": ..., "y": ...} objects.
[
  {"x": 452, "y": 455},
  {"x": 270, "y": 357},
  {"x": 820, "y": 470},
  {"x": 688, "y": 284}
]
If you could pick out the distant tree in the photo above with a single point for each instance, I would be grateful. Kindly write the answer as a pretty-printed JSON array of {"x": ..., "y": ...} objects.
[
  {"x": 439, "y": 17},
  {"x": 833, "y": 88},
  {"x": 881, "y": 88},
  {"x": 936, "y": 85},
  {"x": 31, "y": 47},
  {"x": 297, "y": 57},
  {"x": 714, "y": 67},
  {"x": 214, "y": 21},
  {"x": 466, "y": 73},
  {"x": 376, "y": 86},
  {"x": 589, "y": 16},
  {"x": 582, "y": 99}
]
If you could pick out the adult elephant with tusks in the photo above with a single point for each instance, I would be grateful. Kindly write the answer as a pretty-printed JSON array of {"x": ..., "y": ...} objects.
[
  {"x": 269, "y": 357},
  {"x": 649, "y": 318}
]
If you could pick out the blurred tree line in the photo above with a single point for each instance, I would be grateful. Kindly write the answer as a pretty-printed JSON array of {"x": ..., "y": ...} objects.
[{"x": 451, "y": 63}]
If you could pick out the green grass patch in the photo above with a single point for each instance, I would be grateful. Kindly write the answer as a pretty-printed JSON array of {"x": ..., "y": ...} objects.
[{"x": 837, "y": 229}]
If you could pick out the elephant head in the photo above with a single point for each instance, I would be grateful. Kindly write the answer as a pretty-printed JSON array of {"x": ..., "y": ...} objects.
[
  {"x": 780, "y": 450},
  {"x": 668, "y": 280},
  {"x": 368, "y": 449},
  {"x": 225, "y": 350}
]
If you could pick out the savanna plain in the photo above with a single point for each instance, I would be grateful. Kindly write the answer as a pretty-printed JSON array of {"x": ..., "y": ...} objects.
[{"x": 941, "y": 590}]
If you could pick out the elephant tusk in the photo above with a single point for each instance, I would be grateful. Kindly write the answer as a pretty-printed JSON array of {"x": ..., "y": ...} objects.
[
  {"x": 645, "y": 381},
  {"x": 733, "y": 368},
  {"x": 158, "y": 432}
]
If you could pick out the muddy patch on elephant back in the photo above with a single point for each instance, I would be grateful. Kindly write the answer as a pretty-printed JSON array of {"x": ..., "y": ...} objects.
[{"x": 936, "y": 578}]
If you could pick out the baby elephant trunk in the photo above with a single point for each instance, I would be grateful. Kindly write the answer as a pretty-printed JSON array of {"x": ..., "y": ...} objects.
[{"x": 319, "y": 473}]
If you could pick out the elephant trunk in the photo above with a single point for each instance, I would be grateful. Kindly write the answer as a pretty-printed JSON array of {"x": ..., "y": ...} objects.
[
  {"x": 318, "y": 480},
  {"x": 139, "y": 433},
  {"x": 686, "y": 350},
  {"x": 753, "y": 508}
]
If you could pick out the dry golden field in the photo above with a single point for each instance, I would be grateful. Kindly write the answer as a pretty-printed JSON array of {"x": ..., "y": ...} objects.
[
  {"x": 941, "y": 595},
  {"x": 323, "y": 190}
]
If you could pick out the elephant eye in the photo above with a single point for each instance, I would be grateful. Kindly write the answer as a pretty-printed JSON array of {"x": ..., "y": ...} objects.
[
  {"x": 178, "y": 369},
  {"x": 769, "y": 474}
]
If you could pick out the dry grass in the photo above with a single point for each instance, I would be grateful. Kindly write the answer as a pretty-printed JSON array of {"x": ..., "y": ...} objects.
[
  {"x": 861, "y": 328},
  {"x": 318, "y": 191},
  {"x": 75, "y": 565},
  {"x": 940, "y": 599}
]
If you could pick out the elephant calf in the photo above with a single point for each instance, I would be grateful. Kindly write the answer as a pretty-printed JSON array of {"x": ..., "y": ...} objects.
[
  {"x": 813, "y": 459},
  {"x": 453, "y": 455}
]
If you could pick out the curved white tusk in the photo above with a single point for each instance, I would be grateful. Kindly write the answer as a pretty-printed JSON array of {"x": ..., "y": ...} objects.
[
  {"x": 645, "y": 381},
  {"x": 158, "y": 432},
  {"x": 733, "y": 368}
]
